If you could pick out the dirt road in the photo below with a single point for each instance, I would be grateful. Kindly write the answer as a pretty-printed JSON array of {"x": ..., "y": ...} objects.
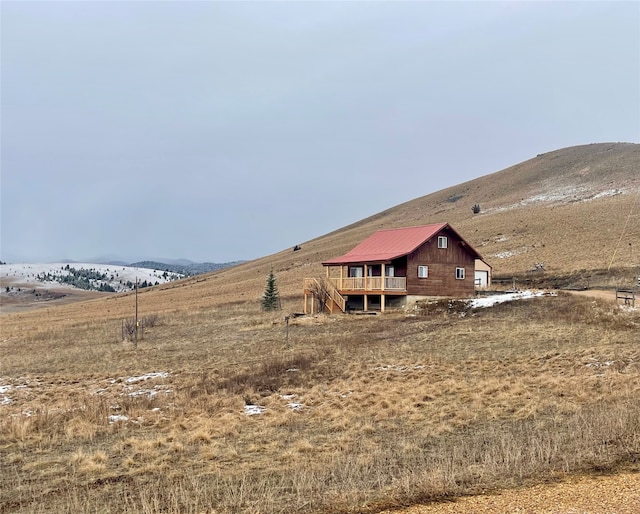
[{"x": 612, "y": 494}]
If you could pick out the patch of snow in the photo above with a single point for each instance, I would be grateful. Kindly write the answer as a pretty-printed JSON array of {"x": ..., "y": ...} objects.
[
  {"x": 605, "y": 364},
  {"x": 5, "y": 400},
  {"x": 253, "y": 410},
  {"x": 143, "y": 392},
  {"x": 114, "y": 418},
  {"x": 148, "y": 392},
  {"x": 490, "y": 301},
  {"x": 561, "y": 195},
  {"x": 397, "y": 367},
  {"x": 504, "y": 255},
  {"x": 605, "y": 194},
  {"x": 292, "y": 405},
  {"x": 553, "y": 196},
  {"x": 292, "y": 370},
  {"x": 141, "y": 378}
]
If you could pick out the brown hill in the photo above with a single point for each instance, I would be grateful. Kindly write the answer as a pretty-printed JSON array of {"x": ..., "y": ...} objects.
[{"x": 571, "y": 209}]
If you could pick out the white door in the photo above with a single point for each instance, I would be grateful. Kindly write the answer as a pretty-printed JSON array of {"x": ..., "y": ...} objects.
[{"x": 482, "y": 278}]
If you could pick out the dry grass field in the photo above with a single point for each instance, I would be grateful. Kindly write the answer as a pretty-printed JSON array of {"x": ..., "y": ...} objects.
[
  {"x": 361, "y": 413},
  {"x": 215, "y": 412}
]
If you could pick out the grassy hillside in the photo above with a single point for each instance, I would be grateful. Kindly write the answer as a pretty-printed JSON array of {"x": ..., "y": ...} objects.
[{"x": 358, "y": 413}]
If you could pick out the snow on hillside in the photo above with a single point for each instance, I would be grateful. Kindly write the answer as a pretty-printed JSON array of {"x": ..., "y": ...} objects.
[
  {"x": 81, "y": 276},
  {"x": 566, "y": 194}
]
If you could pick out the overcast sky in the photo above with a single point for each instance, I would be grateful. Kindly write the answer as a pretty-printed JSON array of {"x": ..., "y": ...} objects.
[{"x": 220, "y": 131}]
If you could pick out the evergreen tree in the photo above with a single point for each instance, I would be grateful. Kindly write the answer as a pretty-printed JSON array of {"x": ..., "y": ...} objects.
[{"x": 271, "y": 297}]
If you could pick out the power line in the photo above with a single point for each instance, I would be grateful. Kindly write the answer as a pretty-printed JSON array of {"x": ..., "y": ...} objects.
[{"x": 615, "y": 250}]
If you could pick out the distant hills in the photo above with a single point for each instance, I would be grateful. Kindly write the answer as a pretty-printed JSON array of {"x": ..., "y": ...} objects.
[
  {"x": 183, "y": 267},
  {"x": 112, "y": 276}
]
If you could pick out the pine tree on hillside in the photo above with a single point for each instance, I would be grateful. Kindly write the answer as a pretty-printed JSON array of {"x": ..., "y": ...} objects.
[{"x": 271, "y": 297}]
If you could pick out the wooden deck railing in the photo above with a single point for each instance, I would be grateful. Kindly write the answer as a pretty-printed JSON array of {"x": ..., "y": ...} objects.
[
  {"x": 334, "y": 288},
  {"x": 366, "y": 284}
]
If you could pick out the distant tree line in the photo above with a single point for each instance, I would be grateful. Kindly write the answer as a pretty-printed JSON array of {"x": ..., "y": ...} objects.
[
  {"x": 195, "y": 268},
  {"x": 87, "y": 279}
]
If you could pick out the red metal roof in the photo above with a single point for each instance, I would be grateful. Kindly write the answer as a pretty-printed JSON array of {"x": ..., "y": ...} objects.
[{"x": 386, "y": 245}]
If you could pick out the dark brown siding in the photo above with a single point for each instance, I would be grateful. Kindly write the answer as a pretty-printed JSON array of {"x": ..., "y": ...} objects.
[
  {"x": 400, "y": 266},
  {"x": 442, "y": 264}
]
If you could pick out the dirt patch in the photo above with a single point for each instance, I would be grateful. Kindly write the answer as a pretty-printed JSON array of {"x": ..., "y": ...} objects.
[
  {"x": 586, "y": 495},
  {"x": 597, "y": 293}
]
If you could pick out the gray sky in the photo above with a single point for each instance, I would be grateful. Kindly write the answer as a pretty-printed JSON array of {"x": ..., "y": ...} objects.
[{"x": 220, "y": 131}]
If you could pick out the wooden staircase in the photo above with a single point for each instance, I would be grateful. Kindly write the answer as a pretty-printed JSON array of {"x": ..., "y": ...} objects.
[{"x": 333, "y": 300}]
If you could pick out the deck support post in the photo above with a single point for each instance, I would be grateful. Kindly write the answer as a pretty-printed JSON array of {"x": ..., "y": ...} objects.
[
  {"x": 366, "y": 275},
  {"x": 381, "y": 303},
  {"x": 366, "y": 303}
]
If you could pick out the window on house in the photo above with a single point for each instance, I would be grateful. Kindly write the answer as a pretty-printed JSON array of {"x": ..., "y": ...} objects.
[
  {"x": 460, "y": 273},
  {"x": 389, "y": 271},
  {"x": 356, "y": 272},
  {"x": 423, "y": 271},
  {"x": 442, "y": 241}
]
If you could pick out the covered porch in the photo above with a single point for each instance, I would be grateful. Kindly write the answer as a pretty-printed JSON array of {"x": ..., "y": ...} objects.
[
  {"x": 355, "y": 293},
  {"x": 359, "y": 286},
  {"x": 366, "y": 277}
]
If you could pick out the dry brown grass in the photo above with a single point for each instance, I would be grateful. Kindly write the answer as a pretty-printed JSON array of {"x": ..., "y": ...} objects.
[{"x": 361, "y": 413}]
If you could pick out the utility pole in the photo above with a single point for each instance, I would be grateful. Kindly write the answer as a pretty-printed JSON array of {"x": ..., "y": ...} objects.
[
  {"x": 135, "y": 344},
  {"x": 286, "y": 344}
]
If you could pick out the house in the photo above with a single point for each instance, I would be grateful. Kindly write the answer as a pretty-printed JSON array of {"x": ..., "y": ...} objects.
[{"x": 393, "y": 268}]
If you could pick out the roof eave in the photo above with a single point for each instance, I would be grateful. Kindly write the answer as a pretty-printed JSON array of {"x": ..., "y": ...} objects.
[{"x": 342, "y": 262}]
